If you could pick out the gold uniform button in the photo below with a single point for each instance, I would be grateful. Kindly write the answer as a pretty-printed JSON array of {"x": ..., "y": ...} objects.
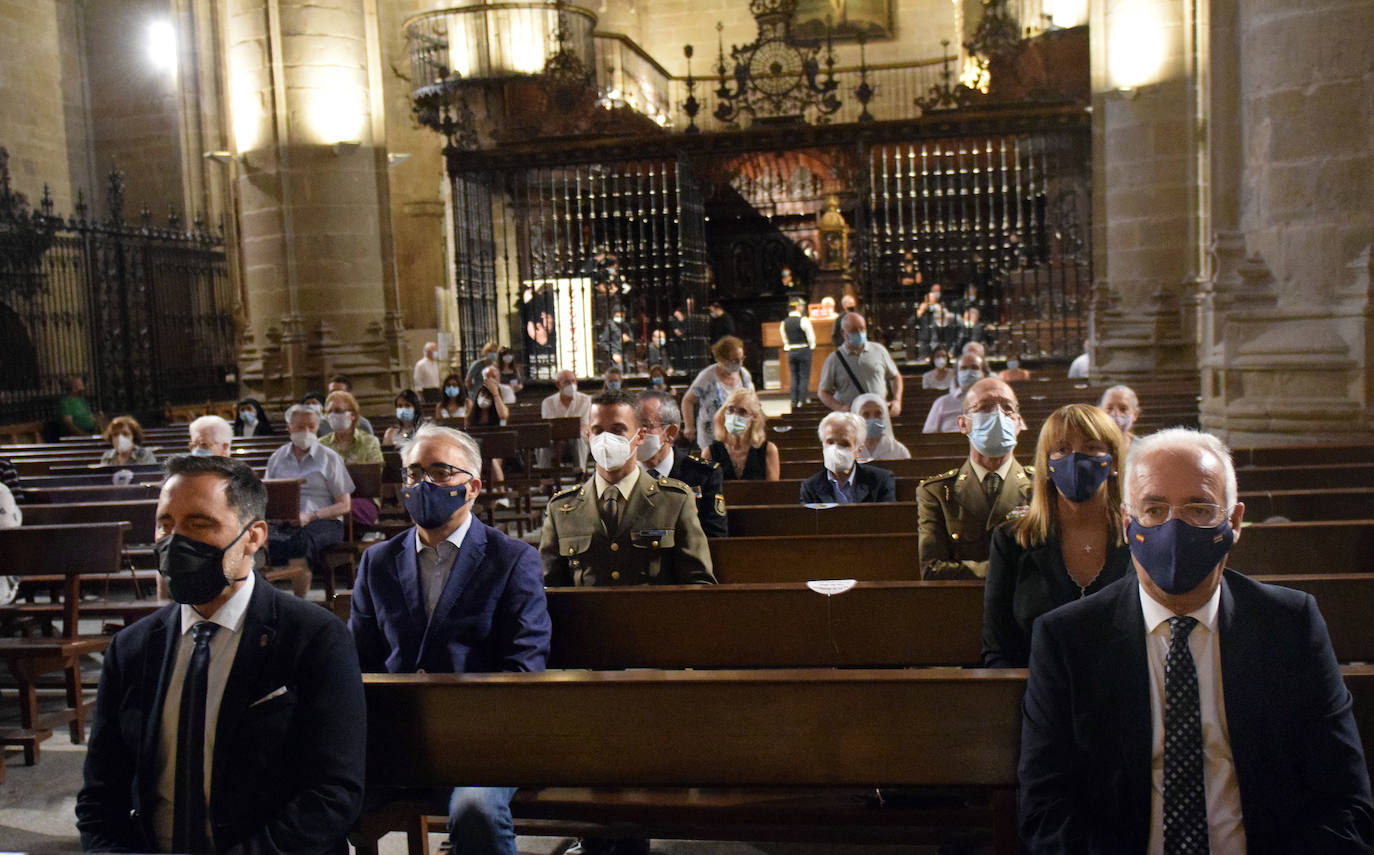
[
  {"x": 654, "y": 544},
  {"x": 419, "y": 671},
  {"x": 615, "y": 574},
  {"x": 954, "y": 535},
  {"x": 570, "y": 550},
  {"x": 615, "y": 547}
]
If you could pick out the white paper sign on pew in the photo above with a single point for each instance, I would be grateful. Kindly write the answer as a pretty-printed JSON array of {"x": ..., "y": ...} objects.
[{"x": 830, "y": 587}]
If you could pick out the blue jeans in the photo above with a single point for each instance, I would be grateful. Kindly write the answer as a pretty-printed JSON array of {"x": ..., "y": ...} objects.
[{"x": 479, "y": 821}]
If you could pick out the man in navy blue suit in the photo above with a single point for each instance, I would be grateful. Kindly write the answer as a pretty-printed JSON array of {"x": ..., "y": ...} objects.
[
  {"x": 452, "y": 595},
  {"x": 234, "y": 722},
  {"x": 843, "y": 480},
  {"x": 1188, "y": 708}
]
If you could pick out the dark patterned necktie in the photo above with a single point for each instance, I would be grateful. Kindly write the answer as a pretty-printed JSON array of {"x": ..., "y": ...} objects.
[
  {"x": 1185, "y": 795},
  {"x": 992, "y": 485},
  {"x": 188, "y": 817},
  {"x": 610, "y": 511}
]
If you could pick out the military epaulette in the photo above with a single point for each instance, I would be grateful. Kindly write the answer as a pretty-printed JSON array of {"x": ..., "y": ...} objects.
[
  {"x": 1029, "y": 470},
  {"x": 674, "y": 484},
  {"x": 950, "y": 474},
  {"x": 709, "y": 464},
  {"x": 566, "y": 491}
]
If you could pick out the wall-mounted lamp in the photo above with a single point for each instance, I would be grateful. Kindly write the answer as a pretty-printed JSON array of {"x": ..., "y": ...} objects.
[
  {"x": 219, "y": 156},
  {"x": 395, "y": 157},
  {"x": 345, "y": 146}
]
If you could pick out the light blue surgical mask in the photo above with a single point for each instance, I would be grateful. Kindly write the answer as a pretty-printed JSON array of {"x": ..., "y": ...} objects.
[
  {"x": 1013, "y": 364},
  {"x": 969, "y": 376},
  {"x": 612, "y": 385},
  {"x": 857, "y": 339},
  {"x": 405, "y": 414},
  {"x": 876, "y": 428},
  {"x": 201, "y": 451},
  {"x": 658, "y": 381},
  {"x": 993, "y": 434},
  {"x": 734, "y": 366},
  {"x": 452, "y": 391}
]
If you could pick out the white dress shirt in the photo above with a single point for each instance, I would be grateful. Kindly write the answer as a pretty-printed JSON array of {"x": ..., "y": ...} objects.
[
  {"x": 625, "y": 486},
  {"x": 1002, "y": 472},
  {"x": 1224, "y": 822},
  {"x": 223, "y": 647},
  {"x": 426, "y": 374},
  {"x": 664, "y": 466},
  {"x": 944, "y": 412},
  {"x": 434, "y": 566}
]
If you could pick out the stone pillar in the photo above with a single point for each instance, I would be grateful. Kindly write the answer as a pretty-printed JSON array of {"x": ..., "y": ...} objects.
[
  {"x": 311, "y": 187},
  {"x": 1289, "y": 312},
  {"x": 1146, "y": 178}
]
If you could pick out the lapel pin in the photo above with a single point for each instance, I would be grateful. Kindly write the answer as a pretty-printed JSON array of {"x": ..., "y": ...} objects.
[{"x": 262, "y": 640}]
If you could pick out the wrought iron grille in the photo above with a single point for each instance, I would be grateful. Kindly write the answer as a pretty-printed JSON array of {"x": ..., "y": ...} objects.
[{"x": 143, "y": 313}]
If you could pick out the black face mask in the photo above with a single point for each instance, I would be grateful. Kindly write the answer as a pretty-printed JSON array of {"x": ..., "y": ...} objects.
[{"x": 194, "y": 570}]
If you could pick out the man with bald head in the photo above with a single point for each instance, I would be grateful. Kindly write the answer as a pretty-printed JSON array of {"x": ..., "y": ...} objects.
[
  {"x": 1186, "y": 707},
  {"x": 959, "y": 509},
  {"x": 860, "y": 366}
]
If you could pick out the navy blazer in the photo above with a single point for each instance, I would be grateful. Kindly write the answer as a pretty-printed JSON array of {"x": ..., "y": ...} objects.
[
  {"x": 871, "y": 484},
  {"x": 491, "y": 615},
  {"x": 1087, "y": 732},
  {"x": 288, "y": 770}
]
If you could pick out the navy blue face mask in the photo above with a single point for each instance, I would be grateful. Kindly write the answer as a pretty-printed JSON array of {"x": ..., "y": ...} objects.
[
  {"x": 1078, "y": 476},
  {"x": 431, "y": 505},
  {"x": 1177, "y": 556}
]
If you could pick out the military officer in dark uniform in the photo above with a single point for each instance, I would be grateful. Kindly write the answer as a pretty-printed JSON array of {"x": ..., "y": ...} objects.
[
  {"x": 623, "y": 527},
  {"x": 959, "y": 509},
  {"x": 661, "y": 418}
]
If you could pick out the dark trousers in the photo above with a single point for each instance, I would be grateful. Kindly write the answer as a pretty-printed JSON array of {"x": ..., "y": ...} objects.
[
  {"x": 285, "y": 542},
  {"x": 799, "y": 363}
]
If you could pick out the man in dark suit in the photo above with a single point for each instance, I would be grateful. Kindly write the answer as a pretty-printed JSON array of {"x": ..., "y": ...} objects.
[
  {"x": 843, "y": 480},
  {"x": 1188, "y": 708},
  {"x": 235, "y": 721},
  {"x": 452, "y": 595},
  {"x": 662, "y": 421}
]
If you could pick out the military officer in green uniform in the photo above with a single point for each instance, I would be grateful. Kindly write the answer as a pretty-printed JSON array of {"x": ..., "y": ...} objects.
[
  {"x": 960, "y": 508},
  {"x": 623, "y": 527}
]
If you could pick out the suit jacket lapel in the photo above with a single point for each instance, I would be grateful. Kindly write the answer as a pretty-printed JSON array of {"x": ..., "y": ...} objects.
[
  {"x": 859, "y": 487},
  {"x": 469, "y": 558},
  {"x": 969, "y": 493},
  {"x": 1013, "y": 489},
  {"x": 641, "y": 500},
  {"x": 255, "y": 647},
  {"x": 408, "y": 573},
  {"x": 1126, "y": 676},
  {"x": 1244, "y": 682}
]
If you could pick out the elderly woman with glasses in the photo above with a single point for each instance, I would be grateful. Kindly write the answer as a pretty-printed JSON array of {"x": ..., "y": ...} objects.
[{"x": 1069, "y": 544}]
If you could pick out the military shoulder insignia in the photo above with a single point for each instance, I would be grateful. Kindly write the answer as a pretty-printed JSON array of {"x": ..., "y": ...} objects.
[
  {"x": 1028, "y": 470},
  {"x": 950, "y": 474},
  {"x": 674, "y": 484},
  {"x": 566, "y": 492},
  {"x": 720, "y": 505}
]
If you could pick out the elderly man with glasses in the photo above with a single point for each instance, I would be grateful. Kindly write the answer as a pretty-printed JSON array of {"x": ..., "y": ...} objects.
[
  {"x": 452, "y": 595},
  {"x": 959, "y": 509},
  {"x": 1186, "y": 707}
]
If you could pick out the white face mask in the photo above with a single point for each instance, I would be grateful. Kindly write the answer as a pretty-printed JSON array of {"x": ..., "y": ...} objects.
[
  {"x": 303, "y": 439},
  {"x": 649, "y": 447},
  {"x": 1123, "y": 421},
  {"x": 340, "y": 421},
  {"x": 941, "y": 362},
  {"x": 567, "y": 389},
  {"x": 123, "y": 443},
  {"x": 736, "y": 424},
  {"x": 610, "y": 451},
  {"x": 248, "y": 417},
  {"x": 838, "y": 460}
]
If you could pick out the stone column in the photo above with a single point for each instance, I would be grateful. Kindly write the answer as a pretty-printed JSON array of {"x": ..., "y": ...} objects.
[
  {"x": 1290, "y": 311},
  {"x": 311, "y": 186},
  {"x": 1145, "y": 189}
]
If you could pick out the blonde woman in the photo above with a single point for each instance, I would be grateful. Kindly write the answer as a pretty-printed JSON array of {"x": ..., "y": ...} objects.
[
  {"x": 878, "y": 443},
  {"x": 125, "y": 436},
  {"x": 1069, "y": 543},
  {"x": 741, "y": 446}
]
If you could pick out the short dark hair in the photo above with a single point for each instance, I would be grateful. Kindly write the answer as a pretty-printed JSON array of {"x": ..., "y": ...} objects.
[
  {"x": 615, "y": 398},
  {"x": 342, "y": 378},
  {"x": 245, "y": 493}
]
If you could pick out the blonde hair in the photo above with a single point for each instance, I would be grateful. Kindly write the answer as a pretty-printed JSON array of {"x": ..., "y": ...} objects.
[
  {"x": 1075, "y": 421},
  {"x": 350, "y": 403},
  {"x": 128, "y": 423},
  {"x": 757, "y": 423}
]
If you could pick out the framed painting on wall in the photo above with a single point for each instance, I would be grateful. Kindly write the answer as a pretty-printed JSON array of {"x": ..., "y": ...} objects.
[{"x": 873, "y": 18}]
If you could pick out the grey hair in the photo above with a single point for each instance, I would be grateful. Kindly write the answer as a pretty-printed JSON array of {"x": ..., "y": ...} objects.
[
  {"x": 669, "y": 413},
  {"x": 850, "y": 420},
  {"x": 1123, "y": 389},
  {"x": 221, "y": 430},
  {"x": 465, "y": 443},
  {"x": 292, "y": 410},
  {"x": 1178, "y": 440}
]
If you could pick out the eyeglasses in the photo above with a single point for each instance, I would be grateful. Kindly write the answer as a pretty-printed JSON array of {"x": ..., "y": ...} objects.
[
  {"x": 985, "y": 407},
  {"x": 1196, "y": 514},
  {"x": 436, "y": 473}
]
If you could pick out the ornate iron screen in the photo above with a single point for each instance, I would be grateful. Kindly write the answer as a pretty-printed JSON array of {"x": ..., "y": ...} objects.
[{"x": 144, "y": 313}]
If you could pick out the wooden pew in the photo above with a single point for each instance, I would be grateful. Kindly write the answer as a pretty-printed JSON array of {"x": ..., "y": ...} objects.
[
  {"x": 788, "y": 492},
  {"x": 796, "y": 520},
  {"x": 1316, "y": 476},
  {"x": 913, "y": 468},
  {"x": 71, "y": 551},
  {"x": 140, "y": 514},
  {"x": 1321, "y": 546},
  {"x": 783, "y": 728}
]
